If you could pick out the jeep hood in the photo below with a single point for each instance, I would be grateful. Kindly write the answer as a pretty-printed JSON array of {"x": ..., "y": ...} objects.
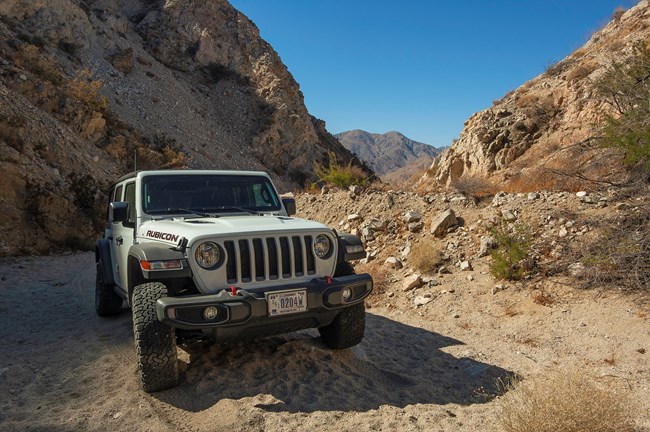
[{"x": 193, "y": 228}]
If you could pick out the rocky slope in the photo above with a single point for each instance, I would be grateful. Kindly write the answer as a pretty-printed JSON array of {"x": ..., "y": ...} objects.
[
  {"x": 548, "y": 124},
  {"x": 392, "y": 156},
  {"x": 436, "y": 342},
  {"x": 90, "y": 90}
]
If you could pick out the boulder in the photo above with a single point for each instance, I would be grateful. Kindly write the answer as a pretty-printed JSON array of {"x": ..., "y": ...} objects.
[
  {"x": 487, "y": 243},
  {"x": 412, "y": 282},
  {"x": 412, "y": 216},
  {"x": 508, "y": 215},
  {"x": 122, "y": 60},
  {"x": 393, "y": 263},
  {"x": 441, "y": 224}
]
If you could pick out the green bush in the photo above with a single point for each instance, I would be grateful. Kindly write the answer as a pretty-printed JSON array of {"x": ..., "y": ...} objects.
[
  {"x": 343, "y": 176},
  {"x": 509, "y": 259},
  {"x": 625, "y": 86}
]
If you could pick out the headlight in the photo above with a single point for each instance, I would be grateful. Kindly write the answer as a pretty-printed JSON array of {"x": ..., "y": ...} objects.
[
  {"x": 208, "y": 255},
  {"x": 322, "y": 246}
]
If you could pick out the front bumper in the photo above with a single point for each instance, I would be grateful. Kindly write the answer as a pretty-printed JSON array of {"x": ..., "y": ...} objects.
[{"x": 248, "y": 310}]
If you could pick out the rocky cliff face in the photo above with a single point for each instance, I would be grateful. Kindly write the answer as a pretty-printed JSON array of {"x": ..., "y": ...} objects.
[
  {"x": 392, "y": 156},
  {"x": 547, "y": 126},
  {"x": 90, "y": 90}
]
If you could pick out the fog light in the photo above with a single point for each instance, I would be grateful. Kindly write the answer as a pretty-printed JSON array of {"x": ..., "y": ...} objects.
[
  {"x": 210, "y": 313},
  {"x": 347, "y": 294}
]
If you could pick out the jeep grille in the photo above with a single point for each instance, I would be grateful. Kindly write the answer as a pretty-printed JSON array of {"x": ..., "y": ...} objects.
[{"x": 269, "y": 258}]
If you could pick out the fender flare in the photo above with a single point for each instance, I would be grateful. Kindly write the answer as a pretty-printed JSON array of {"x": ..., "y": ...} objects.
[
  {"x": 103, "y": 252},
  {"x": 155, "y": 252},
  {"x": 350, "y": 248}
]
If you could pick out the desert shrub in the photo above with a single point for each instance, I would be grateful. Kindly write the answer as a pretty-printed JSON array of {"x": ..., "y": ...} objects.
[
  {"x": 620, "y": 254},
  {"x": 582, "y": 70},
  {"x": 564, "y": 401},
  {"x": 474, "y": 186},
  {"x": 217, "y": 72},
  {"x": 30, "y": 57},
  {"x": 626, "y": 87},
  {"x": 510, "y": 259},
  {"x": 11, "y": 135},
  {"x": 70, "y": 48},
  {"x": 542, "y": 180},
  {"x": 526, "y": 99},
  {"x": 343, "y": 176},
  {"x": 85, "y": 89},
  {"x": 618, "y": 13},
  {"x": 85, "y": 191},
  {"x": 426, "y": 256}
]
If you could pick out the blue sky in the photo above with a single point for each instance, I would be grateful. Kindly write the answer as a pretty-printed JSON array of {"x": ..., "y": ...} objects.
[{"x": 417, "y": 66}]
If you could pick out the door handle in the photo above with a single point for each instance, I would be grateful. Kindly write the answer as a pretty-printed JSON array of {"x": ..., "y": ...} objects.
[{"x": 119, "y": 240}]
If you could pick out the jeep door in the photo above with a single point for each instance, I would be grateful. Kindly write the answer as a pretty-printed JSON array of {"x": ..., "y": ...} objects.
[{"x": 123, "y": 235}]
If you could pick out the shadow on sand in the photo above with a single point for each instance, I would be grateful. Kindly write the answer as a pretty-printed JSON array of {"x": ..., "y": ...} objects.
[{"x": 396, "y": 364}]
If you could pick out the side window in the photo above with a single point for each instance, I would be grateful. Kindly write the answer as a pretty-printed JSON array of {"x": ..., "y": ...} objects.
[
  {"x": 129, "y": 197},
  {"x": 111, "y": 196},
  {"x": 118, "y": 194}
]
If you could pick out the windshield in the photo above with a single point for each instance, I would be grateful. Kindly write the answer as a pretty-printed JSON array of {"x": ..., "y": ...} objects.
[{"x": 207, "y": 193}]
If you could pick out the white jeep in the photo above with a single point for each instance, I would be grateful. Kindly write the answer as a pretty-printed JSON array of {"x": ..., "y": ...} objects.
[{"x": 217, "y": 254}]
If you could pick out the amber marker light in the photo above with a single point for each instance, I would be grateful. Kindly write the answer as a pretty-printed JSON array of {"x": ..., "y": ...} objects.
[{"x": 161, "y": 265}]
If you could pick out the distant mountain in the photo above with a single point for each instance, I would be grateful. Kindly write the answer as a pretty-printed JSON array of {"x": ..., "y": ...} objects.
[{"x": 389, "y": 153}]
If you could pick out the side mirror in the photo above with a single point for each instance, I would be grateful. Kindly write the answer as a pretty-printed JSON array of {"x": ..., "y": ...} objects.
[
  {"x": 289, "y": 205},
  {"x": 118, "y": 211}
]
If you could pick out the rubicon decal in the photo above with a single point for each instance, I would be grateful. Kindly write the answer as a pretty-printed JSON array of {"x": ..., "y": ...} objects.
[{"x": 162, "y": 235}]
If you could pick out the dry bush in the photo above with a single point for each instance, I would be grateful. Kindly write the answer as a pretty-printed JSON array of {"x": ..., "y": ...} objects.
[
  {"x": 475, "y": 186},
  {"x": 85, "y": 89},
  {"x": 542, "y": 180},
  {"x": 30, "y": 57},
  {"x": 618, "y": 13},
  {"x": 426, "y": 256},
  {"x": 11, "y": 135},
  {"x": 583, "y": 70},
  {"x": 565, "y": 401},
  {"x": 526, "y": 100},
  {"x": 620, "y": 255},
  {"x": 541, "y": 297}
]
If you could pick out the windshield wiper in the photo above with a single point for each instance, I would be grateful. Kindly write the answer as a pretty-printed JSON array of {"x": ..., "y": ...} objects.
[
  {"x": 225, "y": 208},
  {"x": 180, "y": 210}
]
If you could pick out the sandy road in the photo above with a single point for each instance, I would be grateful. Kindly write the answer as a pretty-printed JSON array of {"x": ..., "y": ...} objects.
[{"x": 63, "y": 368}]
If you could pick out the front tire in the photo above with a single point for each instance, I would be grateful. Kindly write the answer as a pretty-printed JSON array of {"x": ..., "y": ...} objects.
[
  {"x": 155, "y": 342},
  {"x": 347, "y": 329},
  {"x": 349, "y": 326},
  {"x": 107, "y": 302}
]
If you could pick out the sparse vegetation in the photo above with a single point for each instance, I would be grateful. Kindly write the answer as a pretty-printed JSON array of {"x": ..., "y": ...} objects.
[
  {"x": 625, "y": 85},
  {"x": 511, "y": 256},
  {"x": 343, "y": 176},
  {"x": 474, "y": 186},
  {"x": 618, "y": 13},
  {"x": 85, "y": 89},
  {"x": 426, "y": 255},
  {"x": 217, "y": 72},
  {"x": 565, "y": 401},
  {"x": 620, "y": 256},
  {"x": 581, "y": 71},
  {"x": 31, "y": 58},
  {"x": 10, "y": 134}
]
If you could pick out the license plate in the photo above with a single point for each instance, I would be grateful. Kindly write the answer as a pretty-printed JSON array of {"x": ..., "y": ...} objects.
[{"x": 286, "y": 302}]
